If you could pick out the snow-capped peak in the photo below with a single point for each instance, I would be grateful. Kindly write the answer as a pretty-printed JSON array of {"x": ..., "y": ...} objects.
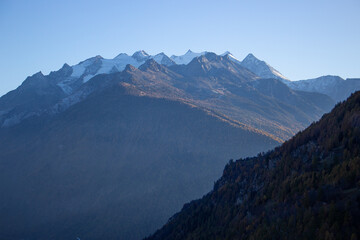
[
  {"x": 231, "y": 57},
  {"x": 252, "y": 57},
  {"x": 187, "y": 57},
  {"x": 91, "y": 67},
  {"x": 121, "y": 55},
  {"x": 141, "y": 56},
  {"x": 261, "y": 68},
  {"x": 320, "y": 84},
  {"x": 79, "y": 69},
  {"x": 225, "y": 53},
  {"x": 162, "y": 58}
]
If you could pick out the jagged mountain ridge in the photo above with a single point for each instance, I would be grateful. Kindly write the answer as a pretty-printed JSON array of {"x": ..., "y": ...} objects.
[
  {"x": 308, "y": 188},
  {"x": 213, "y": 82},
  {"x": 98, "y": 65}
]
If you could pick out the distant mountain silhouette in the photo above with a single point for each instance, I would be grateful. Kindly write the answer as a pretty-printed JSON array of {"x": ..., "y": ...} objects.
[{"x": 335, "y": 87}]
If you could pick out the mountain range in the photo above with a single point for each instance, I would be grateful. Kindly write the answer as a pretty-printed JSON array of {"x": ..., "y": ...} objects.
[
  {"x": 219, "y": 83},
  {"x": 111, "y": 148}
]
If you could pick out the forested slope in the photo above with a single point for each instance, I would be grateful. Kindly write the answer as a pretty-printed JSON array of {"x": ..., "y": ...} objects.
[{"x": 309, "y": 188}]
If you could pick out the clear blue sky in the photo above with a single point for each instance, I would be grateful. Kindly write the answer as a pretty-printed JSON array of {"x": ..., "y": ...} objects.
[{"x": 302, "y": 39}]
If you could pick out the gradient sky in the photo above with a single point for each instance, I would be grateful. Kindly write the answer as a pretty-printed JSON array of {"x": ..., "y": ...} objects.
[{"x": 302, "y": 39}]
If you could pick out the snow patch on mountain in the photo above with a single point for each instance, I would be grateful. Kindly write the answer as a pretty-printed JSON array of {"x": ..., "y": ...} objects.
[
  {"x": 141, "y": 56},
  {"x": 321, "y": 84},
  {"x": 65, "y": 87},
  {"x": 225, "y": 53},
  {"x": 85, "y": 69},
  {"x": 161, "y": 58},
  {"x": 187, "y": 57},
  {"x": 261, "y": 68},
  {"x": 80, "y": 69},
  {"x": 231, "y": 57}
]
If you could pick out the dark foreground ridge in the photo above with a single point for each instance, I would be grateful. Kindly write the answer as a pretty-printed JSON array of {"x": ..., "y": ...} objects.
[{"x": 309, "y": 188}]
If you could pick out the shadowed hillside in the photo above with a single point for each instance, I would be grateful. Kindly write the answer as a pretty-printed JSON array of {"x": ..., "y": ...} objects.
[
  {"x": 114, "y": 166},
  {"x": 309, "y": 188}
]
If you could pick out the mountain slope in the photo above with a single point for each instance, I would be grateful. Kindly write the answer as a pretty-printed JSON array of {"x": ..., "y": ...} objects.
[
  {"x": 161, "y": 58},
  {"x": 91, "y": 171},
  {"x": 219, "y": 83},
  {"x": 309, "y": 188},
  {"x": 35, "y": 94},
  {"x": 333, "y": 86},
  {"x": 261, "y": 68}
]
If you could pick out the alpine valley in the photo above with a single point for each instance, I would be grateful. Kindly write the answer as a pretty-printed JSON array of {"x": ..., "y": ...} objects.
[{"x": 112, "y": 148}]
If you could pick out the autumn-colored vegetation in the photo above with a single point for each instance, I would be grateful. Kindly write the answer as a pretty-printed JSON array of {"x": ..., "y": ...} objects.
[{"x": 309, "y": 188}]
